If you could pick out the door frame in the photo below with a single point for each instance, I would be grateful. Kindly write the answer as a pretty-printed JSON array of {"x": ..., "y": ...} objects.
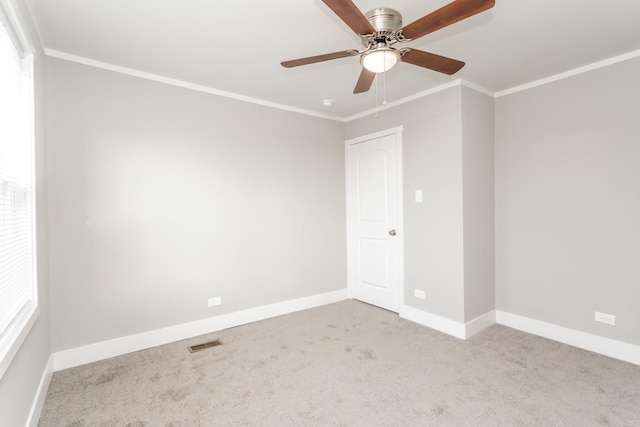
[{"x": 397, "y": 131}]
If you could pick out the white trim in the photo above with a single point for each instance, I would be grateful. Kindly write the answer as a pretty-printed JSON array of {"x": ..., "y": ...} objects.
[
  {"x": 458, "y": 82},
  {"x": 391, "y": 131},
  {"x": 479, "y": 324},
  {"x": 19, "y": 328},
  {"x": 15, "y": 25},
  {"x": 428, "y": 92},
  {"x": 41, "y": 394},
  {"x": 570, "y": 73},
  {"x": 448, "y": 326},
  {"x": 477, "y": 88},
  {"x": 183, "y": 84},
  {"x": 409, "y": 98},
  {"x": 433, "y": 321},
  {"x": 397, "y": 131},
  {"x": 206, "y": 89},
  {"x": 16, "y": 334},
  {"x": 597, "y": 344},
  {"x": 123, "y": 345}
]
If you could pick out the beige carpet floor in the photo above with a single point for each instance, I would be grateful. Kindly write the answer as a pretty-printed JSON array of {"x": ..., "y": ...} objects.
[{"x": 349, "y": 364}]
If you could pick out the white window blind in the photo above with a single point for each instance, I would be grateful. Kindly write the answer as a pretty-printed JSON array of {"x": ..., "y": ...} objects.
[{"x": 17, "y": 278}]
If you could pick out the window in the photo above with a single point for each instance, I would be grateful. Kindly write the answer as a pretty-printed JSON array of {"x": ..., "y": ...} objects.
[{"x": 18, "y": 291}]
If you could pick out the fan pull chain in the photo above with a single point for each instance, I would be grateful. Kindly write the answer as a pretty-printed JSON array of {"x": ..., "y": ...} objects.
[
  {"x": 384, "y": 89},
  {"x": 384, "y": 85},
  {"x": 376, "y": 106}
]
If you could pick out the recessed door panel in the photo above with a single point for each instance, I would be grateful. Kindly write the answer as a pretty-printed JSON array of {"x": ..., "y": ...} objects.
[
  {"x": 371, "y": 186},
  {"x": 374, "y": 263}
]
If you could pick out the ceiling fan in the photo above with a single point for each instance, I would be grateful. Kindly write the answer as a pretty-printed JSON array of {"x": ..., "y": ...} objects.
[{"x": 381, "y": 28}]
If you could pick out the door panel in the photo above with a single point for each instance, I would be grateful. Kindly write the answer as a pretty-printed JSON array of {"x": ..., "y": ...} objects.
[
  {"x": 374, "y": 263},
  {"x": 372, "y": 199}
]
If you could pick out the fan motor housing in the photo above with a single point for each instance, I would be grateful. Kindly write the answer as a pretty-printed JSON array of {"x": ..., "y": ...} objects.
[{"x": 386, "y": 21}]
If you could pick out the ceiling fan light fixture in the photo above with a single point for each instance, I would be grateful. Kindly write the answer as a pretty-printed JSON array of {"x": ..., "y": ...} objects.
[
  {"x": 379, "y": 30},
  {"x": 380, "y": 59}
]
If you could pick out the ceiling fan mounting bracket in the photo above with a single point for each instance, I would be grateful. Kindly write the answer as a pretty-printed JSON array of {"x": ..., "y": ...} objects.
[{"x": 387, "y": 22}]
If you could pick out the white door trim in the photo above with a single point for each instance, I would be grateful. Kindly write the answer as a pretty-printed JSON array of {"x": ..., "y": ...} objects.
[{"x": 397, "y": 131}]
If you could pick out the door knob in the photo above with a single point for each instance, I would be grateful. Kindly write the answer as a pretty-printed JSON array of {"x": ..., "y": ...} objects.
[{"x": 392, "y": 232}]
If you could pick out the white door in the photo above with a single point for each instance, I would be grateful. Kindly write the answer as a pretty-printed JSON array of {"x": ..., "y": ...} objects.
[{"x": 374, "y": 219}]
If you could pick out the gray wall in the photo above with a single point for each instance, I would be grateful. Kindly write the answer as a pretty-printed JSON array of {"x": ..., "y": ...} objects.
[
  {"x": 19, "y": 385},
  {"x": 478, "y": 202},
  {"x": 432, "y": 162},
  {"x": 449, "y": 238},
  {"x": 568, "y": 201},
  {"x": 161, "y": 197}
]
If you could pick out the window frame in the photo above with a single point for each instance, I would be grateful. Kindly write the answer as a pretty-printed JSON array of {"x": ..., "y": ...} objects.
[{"x": 14, "y": 336}]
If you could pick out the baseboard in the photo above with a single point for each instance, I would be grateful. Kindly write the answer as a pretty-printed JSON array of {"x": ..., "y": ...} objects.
[
  {"x": 448, "y": 326},
  {"x": 597, "y": 344},
  {"x": 119, "y": 346},
  {"x": 41, "y": 394},
  {"x": 433, "y": 321},
  {"x": 480, "y": 323}
]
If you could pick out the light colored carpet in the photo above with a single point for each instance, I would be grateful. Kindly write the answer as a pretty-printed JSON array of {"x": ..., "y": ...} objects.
[{"x": 349, "y": 364}]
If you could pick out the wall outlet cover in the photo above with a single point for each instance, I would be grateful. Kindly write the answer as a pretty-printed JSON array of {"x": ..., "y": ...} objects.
[
  {"x": 609, "y": 319},
  {"x": 419, "y": 294},
  {"x": 214, "y": 301}
]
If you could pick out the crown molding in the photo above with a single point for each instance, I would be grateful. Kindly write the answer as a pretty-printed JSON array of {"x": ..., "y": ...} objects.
[
  {"x": 409, "y": 98},
  {"x": 454, "y": 83},
  {"x": 570, "y": 73},
  {"x": 183, "y": 84}
]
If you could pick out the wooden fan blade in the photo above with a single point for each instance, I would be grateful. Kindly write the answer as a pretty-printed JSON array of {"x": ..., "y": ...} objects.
[
  {"x": 318, "y": 58},
  {"x": 446, "y": 15},
  {"x": 365, "y": 81},
  {"x": 351, "y": 15},
  {"x": 432, "y": 61}
]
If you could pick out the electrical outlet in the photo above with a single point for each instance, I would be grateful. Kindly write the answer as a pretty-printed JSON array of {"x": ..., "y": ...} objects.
[
  {"x": 215, "y": 301},
  {"x": 419, "y": 294},
  {"x": 609, "y": 319}
]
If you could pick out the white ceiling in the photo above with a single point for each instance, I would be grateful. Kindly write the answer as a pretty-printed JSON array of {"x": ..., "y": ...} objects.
[{"x": 237, "y": 46}]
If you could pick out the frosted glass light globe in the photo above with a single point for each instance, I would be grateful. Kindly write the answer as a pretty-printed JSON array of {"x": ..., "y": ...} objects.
[{"x": 380, "y": 60}]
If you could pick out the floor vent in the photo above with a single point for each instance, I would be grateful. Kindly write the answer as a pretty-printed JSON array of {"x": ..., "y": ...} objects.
[{"x": 204, "y": 346}]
